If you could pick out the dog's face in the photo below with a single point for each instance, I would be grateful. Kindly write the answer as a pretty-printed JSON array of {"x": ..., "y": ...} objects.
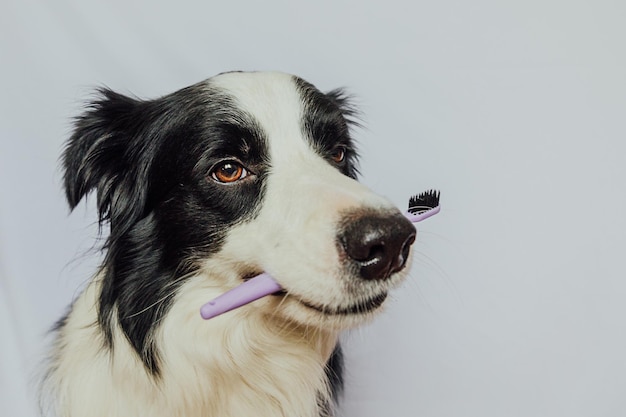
[
  {"x": 240, "y": 174},
  {"x": 335, "y": 246}
]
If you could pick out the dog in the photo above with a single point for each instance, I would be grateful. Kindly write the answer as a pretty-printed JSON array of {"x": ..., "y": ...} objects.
[{"x": 201, "y": 190}]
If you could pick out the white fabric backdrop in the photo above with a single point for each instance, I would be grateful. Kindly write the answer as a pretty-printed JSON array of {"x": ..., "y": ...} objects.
[{"x": 515, "y": 110}]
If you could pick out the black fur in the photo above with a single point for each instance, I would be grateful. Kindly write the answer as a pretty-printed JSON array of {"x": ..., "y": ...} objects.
[
  {"x": 327, "y": 123},
  {"x": 334, "y": 370},
  {"x": 149, "y": 163}
]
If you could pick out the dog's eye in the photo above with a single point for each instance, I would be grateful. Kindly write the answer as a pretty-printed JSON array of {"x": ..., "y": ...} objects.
[
  {"x": 228, "y": 172},
  {"x": 338, "y": 155}
]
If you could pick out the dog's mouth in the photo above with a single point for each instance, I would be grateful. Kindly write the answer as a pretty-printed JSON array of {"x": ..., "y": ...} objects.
[{"x": 359, "y": 308}]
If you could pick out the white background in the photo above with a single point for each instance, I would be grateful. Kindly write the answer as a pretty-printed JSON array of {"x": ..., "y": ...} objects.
[{"x": 515, "y": 110}]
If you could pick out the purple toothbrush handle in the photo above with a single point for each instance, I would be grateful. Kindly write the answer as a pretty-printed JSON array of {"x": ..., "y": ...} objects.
[{"x": 251, "y": 290}]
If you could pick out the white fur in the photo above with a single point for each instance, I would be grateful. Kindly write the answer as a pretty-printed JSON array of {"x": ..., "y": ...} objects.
[{"x": 264, "y": 359}]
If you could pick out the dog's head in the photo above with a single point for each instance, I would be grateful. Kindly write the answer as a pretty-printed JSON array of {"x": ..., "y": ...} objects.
[{"x": 242, "y": 173}]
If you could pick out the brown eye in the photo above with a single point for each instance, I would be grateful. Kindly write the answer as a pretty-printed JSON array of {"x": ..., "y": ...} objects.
[
  {"x": 339, "y": 154},
  {"x": 228, "y": 172}
]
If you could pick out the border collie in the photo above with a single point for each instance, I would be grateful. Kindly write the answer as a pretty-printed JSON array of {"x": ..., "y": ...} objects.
[{"x": 200, "y": 190}]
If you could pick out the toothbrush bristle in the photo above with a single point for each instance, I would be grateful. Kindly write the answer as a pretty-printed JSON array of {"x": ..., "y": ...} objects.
[{"x": 423, "y": 202}]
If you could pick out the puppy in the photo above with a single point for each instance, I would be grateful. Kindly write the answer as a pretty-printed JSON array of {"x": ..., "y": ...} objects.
[{"x": 201, "y": 190}]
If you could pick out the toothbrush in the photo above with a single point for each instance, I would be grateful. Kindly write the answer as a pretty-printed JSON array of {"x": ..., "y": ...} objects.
[{"x": 421, "y": 207}]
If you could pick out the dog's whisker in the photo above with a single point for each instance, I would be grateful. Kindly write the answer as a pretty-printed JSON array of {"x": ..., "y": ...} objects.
[{"x": 158, "y": 303}]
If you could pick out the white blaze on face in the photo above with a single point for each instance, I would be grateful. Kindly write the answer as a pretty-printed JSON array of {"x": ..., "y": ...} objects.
[{"x": 294, "y": 236}]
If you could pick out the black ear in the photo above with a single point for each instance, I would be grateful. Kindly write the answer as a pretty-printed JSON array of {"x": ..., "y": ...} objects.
[
  {"x": 102, "y": 155},
  {"x": 345, "y": 103}
]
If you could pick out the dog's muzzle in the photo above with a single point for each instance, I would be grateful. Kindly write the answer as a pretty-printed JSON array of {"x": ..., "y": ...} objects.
[{"x": 376, "y": 245}]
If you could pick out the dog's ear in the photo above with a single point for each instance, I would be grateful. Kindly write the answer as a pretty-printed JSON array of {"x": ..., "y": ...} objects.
[
  {"x": 344, "y": 102},
  {"x": 105, "y": 154}
]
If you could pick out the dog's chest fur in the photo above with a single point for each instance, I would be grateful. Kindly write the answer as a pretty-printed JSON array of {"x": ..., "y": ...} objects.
[{"x": 219, "y": 370}]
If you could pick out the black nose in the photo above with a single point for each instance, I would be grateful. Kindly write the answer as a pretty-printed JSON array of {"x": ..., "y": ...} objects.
[{"x": 377, "y": 244}]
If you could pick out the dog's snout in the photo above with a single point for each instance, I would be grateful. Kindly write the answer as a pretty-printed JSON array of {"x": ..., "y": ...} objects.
[{"x": 377, "y": 244}]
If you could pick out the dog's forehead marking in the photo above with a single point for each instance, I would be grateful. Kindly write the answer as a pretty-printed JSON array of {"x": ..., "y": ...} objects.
[{"x": 273, "y": 100}]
